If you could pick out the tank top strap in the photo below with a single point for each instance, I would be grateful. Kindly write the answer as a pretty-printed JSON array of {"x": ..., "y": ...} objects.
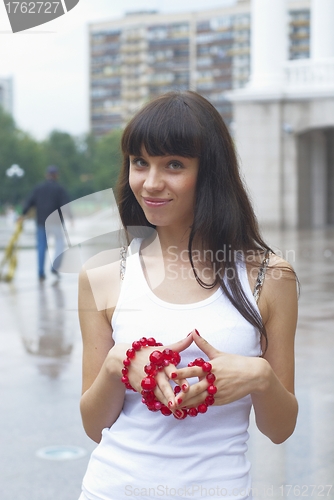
[{"x": 261, "y": 276}]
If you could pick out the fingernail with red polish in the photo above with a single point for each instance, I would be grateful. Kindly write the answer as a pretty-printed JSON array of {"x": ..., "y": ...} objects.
[
  {"x": 184, "y": 387},
  {"x": 179, "y": 401},
  {"x": 170, "y": 404},
  {"x": 173, "y": 375},
  {"x": 189, "y": 334},
  {"x": 178, "y": 413},
  {"x": 197, "y": 332}
]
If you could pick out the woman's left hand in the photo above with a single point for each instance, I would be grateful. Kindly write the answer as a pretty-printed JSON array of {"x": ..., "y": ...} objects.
[{"x": 236, "y": 376}]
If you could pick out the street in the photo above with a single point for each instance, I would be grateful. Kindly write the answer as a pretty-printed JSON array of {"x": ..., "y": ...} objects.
[{"x": 40, "y": 365}]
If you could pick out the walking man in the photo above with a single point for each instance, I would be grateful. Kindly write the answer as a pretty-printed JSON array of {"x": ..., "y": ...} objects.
[{"x": 47, "y": 197}]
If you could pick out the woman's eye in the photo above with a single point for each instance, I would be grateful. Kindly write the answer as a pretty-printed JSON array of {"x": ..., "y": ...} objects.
[
  {"x": 139, "y": 162},
  {"x": 175, "y": 165}
]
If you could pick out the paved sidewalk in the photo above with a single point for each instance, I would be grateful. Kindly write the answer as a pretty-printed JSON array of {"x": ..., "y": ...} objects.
[{"x": 40, "y": 366}]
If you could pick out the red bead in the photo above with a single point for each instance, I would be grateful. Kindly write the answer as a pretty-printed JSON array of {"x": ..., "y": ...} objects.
[
  {"x": 125, "y": 371},
  {"x": 176, "y": 358},
  {"x": 157, "y": 405},
  {"x": 212, "y": 389},
  {"x": 126, "y": 362},
  {"x": 150, "y": 369},
  {"x": 165, "y": 411},
  {"x": 192, "y": 412},
  {"x": 202, "y": 408},
  {"x": 143, "y": 341},
  {"x": 151, "y": 342},
  {"x": 148, "y": 383},
  {"x": 131, "y": 353},
  {"x": 177, "y": 389},
  {"x": 210, "y": 378},
  {"x": 146, "y": 393},
  {"x": 156, "y": 357},
  {"x": 191, "y": 364},
  {"x": 136, "y": 345},
  {"x": 151, "y": 407},
  {"x": 206, "y": 367},
  {"x": 168, "y": 353},
  {"x": 125, "y": 379},
  {"x": 209, "y": 400},
  {"x": 158, "y": 344},
  {"x": 199, "y": 362}
]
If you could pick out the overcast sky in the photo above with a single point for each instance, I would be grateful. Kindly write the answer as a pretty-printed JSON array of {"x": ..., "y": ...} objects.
[{"x": 49, "y": 63}]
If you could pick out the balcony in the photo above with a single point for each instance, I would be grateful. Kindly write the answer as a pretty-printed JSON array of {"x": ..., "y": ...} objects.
[{"x": 307, "y": 74}]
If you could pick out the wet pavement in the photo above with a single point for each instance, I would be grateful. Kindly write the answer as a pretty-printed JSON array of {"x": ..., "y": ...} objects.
[
  {"x": 40, "y": 366},
  {"x": 303, "y": 466}
]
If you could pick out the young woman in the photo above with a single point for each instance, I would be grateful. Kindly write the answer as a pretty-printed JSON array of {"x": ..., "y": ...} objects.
[{"x": 192, "y": 279}]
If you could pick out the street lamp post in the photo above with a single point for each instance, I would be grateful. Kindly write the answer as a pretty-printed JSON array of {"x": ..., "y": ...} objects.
[{"x": 15, "y": 172}]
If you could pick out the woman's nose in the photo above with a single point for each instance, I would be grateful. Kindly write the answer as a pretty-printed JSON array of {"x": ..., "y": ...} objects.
[{"x": 154, "y": 180}]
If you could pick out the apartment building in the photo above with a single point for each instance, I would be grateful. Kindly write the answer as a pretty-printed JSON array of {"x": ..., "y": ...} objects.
[{"x": 145, "y": 54}]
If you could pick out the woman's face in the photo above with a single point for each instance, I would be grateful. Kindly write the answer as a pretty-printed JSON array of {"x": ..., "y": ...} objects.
[{"x": 164, "y": 187}]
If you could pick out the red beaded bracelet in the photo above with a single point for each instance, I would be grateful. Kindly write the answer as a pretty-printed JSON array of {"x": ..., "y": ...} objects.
[
  {"x": 158, "y": 361},
  {"x": 131, "y": 353},
  {"x": 148, "y": 384}
]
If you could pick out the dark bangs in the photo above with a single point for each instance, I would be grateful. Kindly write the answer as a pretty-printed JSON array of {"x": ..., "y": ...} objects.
[{"x": 167, "y": 126}]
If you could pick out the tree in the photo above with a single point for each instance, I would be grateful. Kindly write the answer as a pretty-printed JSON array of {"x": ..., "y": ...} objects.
[
  {"x": 86, "y": 164},
  {"x": 108, "y": 159},
  {"x": 17, "y": 147}
]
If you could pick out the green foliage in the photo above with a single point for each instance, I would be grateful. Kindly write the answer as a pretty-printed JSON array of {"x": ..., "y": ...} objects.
[
  {"x": 19, "y": 148},
  {"x": 108, "y": 159},
  {"x": 86, "y": 164}
]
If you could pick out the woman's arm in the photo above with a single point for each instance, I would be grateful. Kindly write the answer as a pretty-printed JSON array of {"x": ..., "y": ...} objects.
[
  {"x": 275, "y": 405},
  {"x": 269, "y": 380},
  {"x": 102, "y": 390}
]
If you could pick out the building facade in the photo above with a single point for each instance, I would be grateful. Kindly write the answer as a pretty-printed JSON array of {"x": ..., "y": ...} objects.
[
  {"x": 145, "y": 54},
  {"x": 284, "y": 117}
]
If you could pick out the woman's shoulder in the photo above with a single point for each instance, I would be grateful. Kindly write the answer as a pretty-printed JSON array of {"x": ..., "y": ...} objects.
[
  {"x": 100, "y": 277},
  {"x": 277, "y": 278},
  {"x": 266, "y": 260}
]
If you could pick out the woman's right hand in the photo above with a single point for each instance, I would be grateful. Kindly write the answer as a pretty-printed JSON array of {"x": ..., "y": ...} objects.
[{"x": 163, "y": 391}]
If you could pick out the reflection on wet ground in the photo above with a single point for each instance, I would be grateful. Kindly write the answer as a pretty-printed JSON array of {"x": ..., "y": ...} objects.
[
  {"x": 40, "y": 361},
  {"x": 307, "y": 458},
  {"x": 40, "y": 364}
]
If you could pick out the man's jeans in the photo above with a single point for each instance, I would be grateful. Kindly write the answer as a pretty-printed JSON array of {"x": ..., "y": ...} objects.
[{"x": 56, "y": 232}]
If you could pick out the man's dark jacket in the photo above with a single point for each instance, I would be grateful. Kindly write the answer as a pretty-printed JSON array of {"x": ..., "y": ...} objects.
[{"x": 46, "y": 198}]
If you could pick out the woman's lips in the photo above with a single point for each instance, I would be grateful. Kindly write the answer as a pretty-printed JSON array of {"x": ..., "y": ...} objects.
[{"x": 156, "y": 202}]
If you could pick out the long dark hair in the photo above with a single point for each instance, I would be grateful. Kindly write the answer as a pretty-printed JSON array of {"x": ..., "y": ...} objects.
[{"x": 186, "y": 124}]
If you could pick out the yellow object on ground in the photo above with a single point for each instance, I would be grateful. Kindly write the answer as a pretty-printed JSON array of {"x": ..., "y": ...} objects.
[{"x": 9, "y": 260}]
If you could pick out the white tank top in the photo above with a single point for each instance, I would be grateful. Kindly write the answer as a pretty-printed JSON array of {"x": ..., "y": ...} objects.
[{"x": 146, "y": 455}]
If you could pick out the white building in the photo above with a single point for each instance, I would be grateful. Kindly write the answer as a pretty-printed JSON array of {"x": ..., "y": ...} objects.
[{"x": 284, "y": 120}]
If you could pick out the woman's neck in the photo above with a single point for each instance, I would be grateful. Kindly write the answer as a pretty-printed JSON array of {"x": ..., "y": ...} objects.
[
  {"x": 167, "y": 243},
  {"x": 169, "y": 239}
]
